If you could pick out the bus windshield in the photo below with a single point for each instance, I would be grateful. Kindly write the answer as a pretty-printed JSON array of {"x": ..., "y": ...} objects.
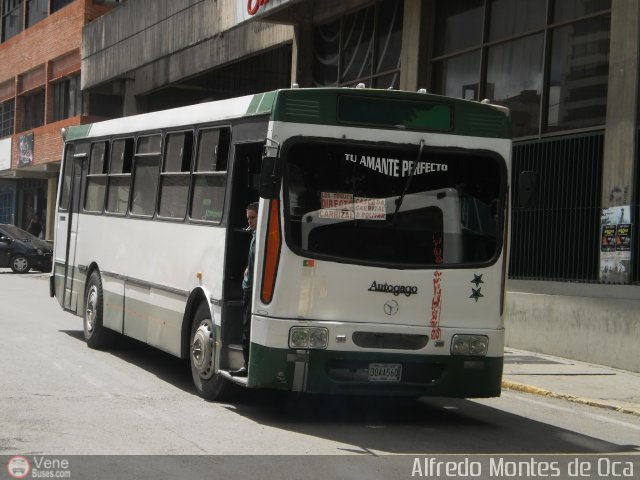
[{"x": 383, "y": 204}]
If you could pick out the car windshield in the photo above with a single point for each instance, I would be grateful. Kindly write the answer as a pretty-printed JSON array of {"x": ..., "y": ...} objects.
[
  {"x": 378, "y": 204},
  {"x": 18, "y": 233}
]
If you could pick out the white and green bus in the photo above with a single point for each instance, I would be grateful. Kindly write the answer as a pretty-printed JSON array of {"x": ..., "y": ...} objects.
[{"x": 381, "y": 243}]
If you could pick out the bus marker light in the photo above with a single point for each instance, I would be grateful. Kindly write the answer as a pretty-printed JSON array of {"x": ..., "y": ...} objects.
[
  {"x": 470, "y": 345},
  {"x": 272, "y": 252}
]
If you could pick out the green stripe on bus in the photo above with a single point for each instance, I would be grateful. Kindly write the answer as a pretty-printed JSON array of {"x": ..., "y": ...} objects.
[
  {"x": 266, "y": 104},
  {"x": 77, "y": 132},
  {"x": 320, "y": 107},
  {"x": 261, "y": 103},
  {"x": 253, "y": 105}
]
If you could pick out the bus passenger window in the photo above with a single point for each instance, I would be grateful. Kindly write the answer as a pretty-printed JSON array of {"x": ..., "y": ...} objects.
[
  {"x": 96, "y": 178},
  {"x": 174, "y": 179},
  {"x": 119, "y": 176},
  {"x": 145, "y": 175},
  {"x": 213, "y": 148},
  {"x": 209, "y": 175},
  {"x": 66, "y": 178}
]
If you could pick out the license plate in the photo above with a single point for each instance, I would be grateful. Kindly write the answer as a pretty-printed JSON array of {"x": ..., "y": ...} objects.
[{"x": 385, "y": 372}]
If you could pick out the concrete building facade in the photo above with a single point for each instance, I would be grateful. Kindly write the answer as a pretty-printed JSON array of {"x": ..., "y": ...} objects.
[{"x": 567, "y": 69}]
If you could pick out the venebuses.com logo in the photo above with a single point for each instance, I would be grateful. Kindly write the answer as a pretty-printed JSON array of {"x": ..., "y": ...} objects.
[{"x": 18, "y": 467}]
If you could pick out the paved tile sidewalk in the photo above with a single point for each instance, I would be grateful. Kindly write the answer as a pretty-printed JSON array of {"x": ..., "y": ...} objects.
[{"x": 571, "y": 380}]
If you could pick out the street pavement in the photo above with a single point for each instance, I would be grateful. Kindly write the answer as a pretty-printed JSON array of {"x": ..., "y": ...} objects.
[
  {"x": 571, "y": 380},
  {"x": 556, "y": 377}
]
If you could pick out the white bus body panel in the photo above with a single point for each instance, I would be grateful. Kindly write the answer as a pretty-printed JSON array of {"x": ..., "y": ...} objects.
[{"x": 145, "y": 292}]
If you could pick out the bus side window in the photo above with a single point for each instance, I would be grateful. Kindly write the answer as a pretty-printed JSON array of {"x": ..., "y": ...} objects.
[
  {"x": 145, "y": 175},
  {"x": 97, "y": 177},
  {"x": 174, "y": 178},
  {"x": 65, "y": 188},
  {"x": 119, "y": 175},
  {"x": 210, "y": 174}
]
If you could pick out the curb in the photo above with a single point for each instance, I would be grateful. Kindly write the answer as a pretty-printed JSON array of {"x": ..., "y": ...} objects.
[{"x": 521, "y": 387}]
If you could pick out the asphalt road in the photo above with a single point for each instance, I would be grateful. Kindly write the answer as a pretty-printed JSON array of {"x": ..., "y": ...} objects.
[{"x": 58, "y": 397}]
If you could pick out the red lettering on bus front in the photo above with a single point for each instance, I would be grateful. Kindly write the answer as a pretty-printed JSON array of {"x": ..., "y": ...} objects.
[
  {"x": 254, "y": 5},
  {"x": 436, "y": 306}
]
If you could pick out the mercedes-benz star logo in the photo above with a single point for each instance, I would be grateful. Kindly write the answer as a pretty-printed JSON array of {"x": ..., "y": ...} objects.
[{"x": 391, "y": 307}]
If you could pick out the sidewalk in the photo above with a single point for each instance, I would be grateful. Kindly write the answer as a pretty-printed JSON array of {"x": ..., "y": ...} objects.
[{"x": 580, "y": 382}]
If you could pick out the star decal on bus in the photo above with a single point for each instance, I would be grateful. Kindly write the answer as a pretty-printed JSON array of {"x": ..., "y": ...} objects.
[
  {"x": 476, "y": 293},
  {"x": 477, "y": 279}
]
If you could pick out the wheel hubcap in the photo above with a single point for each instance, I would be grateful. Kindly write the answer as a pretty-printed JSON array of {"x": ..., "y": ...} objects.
[
  {"x": 202, "y": 349},
  {"x": 90, "y": 311},
  {"x": 20, "y": 263}
]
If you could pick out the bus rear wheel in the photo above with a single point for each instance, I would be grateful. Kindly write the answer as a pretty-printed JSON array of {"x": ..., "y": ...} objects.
[
  {"x": 202, "y": 344},
  {"x": 95, "y": 333}
]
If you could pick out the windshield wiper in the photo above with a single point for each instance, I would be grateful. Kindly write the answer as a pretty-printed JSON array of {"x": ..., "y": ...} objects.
[{"x": 406, "y": 185}]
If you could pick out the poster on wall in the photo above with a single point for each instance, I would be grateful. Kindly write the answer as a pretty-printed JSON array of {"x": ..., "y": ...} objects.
[
  {"x": 25, "y": 150},
  {"x": 5, "y": 154},
  {"x": 615, "y": 244}
]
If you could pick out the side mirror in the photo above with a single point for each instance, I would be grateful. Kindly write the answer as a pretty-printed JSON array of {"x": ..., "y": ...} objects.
[
  {"x": 270, "y": 177},
  {"x": 6, "y": 240},
  {"x": 527, "y": 189}
]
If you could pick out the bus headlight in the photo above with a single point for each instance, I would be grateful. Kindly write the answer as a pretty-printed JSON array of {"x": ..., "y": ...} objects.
[
  {"x": 308, "y": 337},
  {"x": 470, "y": 345},
  {"x": 318, "y": 337}
]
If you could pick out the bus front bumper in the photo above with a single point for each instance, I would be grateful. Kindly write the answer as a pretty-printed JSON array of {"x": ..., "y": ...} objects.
[{"x": 375, "y": 373}]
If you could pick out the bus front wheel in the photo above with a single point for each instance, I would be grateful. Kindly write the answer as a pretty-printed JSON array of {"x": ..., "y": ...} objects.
[
  {"x": 95, "y": 334},
  {"x": 208, "y": 383}
]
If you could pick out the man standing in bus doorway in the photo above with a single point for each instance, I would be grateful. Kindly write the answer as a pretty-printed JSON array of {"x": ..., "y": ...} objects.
[{"x": 247, "y": 285}]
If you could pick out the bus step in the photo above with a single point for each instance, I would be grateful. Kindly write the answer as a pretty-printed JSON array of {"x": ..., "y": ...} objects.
[
  {"x": 235, "y": 359},
  {"x": 239, "y": 380}
]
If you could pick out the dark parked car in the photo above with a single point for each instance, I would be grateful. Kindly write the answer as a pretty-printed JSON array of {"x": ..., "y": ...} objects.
[{"x": 21, "y": 251}]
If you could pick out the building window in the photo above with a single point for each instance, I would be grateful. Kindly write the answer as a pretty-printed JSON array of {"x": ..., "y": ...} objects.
[
  {"x": 36, "y": 10},
  {"x": 552, "y": 73},
  {"x": 11, "y": 18},
  {"x": 67, "y": 98},
  {"x": 33, "y": 110},
  {"x": 58, "y": 4},
  {"x": 7, "y": 114},
  {"x": 362, "y": 47}
]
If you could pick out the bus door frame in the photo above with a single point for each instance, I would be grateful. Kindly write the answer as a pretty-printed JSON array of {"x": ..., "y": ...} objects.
[
  {"x": 243, "y": 186},
  {"x": 69, "y": 295}
]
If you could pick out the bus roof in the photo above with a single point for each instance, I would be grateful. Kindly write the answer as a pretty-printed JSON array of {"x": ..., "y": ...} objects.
[{"x": 360, "y": 107}]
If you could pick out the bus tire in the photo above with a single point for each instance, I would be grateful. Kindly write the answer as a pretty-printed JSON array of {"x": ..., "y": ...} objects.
[
  {"x": 202, "y": 342},
  {"x": 95, "y": 333}
]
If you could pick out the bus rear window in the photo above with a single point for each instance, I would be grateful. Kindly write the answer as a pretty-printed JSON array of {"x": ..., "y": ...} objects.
[{"x": 412, "y": 115}]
